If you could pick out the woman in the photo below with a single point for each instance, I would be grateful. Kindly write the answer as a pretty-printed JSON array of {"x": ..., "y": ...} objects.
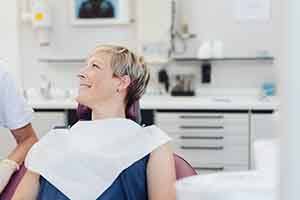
[
  {"x": 113, "y": 79},
  {"x": 15, "y": 115}
]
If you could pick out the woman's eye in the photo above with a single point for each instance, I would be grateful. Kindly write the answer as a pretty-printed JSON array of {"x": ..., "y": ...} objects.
[{"x": 96, "y": 66}]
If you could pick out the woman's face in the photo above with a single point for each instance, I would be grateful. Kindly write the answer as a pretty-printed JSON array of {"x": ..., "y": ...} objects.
[{"x": 97, "y": 83}]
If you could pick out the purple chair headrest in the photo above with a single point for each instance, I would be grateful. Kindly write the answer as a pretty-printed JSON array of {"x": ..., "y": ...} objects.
[
  {"x": 183, "y": 168},
  {"x": 133, "y": 112}
]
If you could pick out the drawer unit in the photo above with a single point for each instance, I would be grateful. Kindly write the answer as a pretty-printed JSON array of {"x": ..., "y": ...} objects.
[{"x": 209, "y": 141}]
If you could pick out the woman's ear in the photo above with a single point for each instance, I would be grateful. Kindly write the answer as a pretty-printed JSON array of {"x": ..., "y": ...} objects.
[{"x": 124, "y": 83}]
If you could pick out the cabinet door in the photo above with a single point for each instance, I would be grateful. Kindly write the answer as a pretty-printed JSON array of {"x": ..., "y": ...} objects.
[
  {"x": 44, "y": 121},
  {"x": 263, "y": 126}
]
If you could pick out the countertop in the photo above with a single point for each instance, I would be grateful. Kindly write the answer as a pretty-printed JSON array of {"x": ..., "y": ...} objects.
[{"x": 179, "y": 103}]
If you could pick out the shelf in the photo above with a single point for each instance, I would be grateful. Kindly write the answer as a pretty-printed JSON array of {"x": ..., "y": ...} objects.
[
  {"x": 270, "y": 58},
  {"x": 61, "y": 60},
  {"x": 163, "y": 61},
  {"x": 82, "y": 60}
]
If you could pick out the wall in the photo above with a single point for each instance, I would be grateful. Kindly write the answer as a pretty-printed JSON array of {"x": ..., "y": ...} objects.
[
  {"x": 239, "y": 40},
  {"x": 66, "y": 41},
  {"x": 290, "y": 97}
]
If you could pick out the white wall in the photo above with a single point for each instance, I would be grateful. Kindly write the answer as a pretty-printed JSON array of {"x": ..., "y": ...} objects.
[
  {"x": 214, "y": 19},
  {"x": 290, "y": 98},
  {"x": 66, "y": 41},
  {"x": 239, "y": 40}
]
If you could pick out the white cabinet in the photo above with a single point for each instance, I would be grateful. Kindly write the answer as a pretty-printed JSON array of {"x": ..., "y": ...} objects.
[
  {"x": 263, "y": 125},
  {"x": 209, "y": 141},
  {"x": 44, "y": 121}
]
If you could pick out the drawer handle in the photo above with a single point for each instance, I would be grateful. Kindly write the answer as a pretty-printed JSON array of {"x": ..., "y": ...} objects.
[
  {"x": 202, "y": 127},
  {"x": 201, "y": 138},
  {"x": 210, "y": 168},
  {"x": 202, "y": 148},
  {"x": 60, "y": 127},
  {"x": 202, "y": 117}
]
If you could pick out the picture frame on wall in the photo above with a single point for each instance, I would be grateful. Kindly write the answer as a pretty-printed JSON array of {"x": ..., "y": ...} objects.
[{"x": 99, "y": 12}]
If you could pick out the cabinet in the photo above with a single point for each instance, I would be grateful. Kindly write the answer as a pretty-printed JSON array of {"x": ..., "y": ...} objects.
[
  {"x": 263, "y": 127},
  {"x": 211, "y": 141},
  {"x": 44, "y": 120}
]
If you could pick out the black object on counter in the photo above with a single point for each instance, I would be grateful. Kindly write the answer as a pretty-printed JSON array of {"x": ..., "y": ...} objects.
[
  {"x": 182, "y": 93},
  {"x": 206, "y": 72},
  {"x": 182, "y": 87},
  {"x": 163, "y": 77}
]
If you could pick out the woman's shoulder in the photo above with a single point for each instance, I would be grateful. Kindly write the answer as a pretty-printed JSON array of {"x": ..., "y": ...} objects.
[{"x": 161, "y": 152}]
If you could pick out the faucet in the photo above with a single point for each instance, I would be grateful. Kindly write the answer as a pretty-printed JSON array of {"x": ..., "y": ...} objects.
[{"x": 46, "y": 87}]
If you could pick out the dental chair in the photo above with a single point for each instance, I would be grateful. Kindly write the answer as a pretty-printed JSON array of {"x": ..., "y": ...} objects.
[{"x": 182, "y": 167}]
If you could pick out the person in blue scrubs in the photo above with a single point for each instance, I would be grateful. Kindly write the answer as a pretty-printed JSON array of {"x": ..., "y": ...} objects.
[{"x": 112, "y": 79}]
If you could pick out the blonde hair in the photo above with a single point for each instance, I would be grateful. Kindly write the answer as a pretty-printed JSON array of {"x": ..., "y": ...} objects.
[{"x": 124, "y": 62}]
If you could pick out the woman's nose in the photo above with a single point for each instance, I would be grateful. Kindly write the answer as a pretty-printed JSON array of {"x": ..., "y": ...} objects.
[
  {"x": 81, "y": 76},
  {"x": 82, "y": 73}
]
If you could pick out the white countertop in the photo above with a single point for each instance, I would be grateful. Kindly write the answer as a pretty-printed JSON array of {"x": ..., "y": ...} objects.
[{"x": 168, "y": 102}]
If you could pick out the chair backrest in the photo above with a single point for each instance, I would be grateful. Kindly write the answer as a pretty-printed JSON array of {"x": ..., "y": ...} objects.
[{"x": 183, "y": 168}]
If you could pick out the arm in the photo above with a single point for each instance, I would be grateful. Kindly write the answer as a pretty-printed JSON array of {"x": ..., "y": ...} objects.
[
  {"x": 25, "y": 138},
  {"x": 161, "y": 174},
  {"x": 28, "y": 188}
]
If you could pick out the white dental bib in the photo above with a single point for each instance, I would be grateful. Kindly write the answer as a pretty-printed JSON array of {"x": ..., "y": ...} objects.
[{"x": 84, "y": 161}]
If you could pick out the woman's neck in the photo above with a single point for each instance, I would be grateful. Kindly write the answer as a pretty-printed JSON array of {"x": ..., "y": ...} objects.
[{"x": 105, "y": 111}]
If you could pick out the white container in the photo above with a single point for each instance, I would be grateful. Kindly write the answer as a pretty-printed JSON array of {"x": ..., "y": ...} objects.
[
  {"x": 218, "y": 49},
  {"x": 205, "y": 50}
]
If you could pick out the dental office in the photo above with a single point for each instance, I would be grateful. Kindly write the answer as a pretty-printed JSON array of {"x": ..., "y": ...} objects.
[{"x": 212, "y": 85}]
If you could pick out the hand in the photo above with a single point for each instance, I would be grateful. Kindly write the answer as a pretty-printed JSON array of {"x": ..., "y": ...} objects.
[{"x": 7, "y": 168}]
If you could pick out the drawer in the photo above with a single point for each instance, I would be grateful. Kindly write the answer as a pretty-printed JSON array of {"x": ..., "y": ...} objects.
[
  {"x": 194, "y": 117},
  {"x": 211, "y": 141},
  {"x": 199, "y": 118},
  {"x": 202, "y": 155},
  {"x": 237, "y": 130}
]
